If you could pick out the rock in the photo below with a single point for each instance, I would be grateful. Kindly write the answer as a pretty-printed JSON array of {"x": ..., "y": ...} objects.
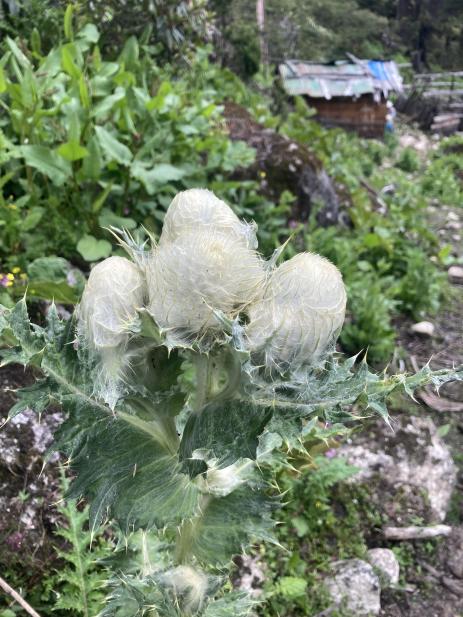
[
  {"x": 452, "y": 216},
  {"x": 249, "y": 576},
  {"x": 455, "y": 225},
  {"x": 426, "y": 328},
  {"x": 284, "y": 165},
  {"x": 456, "y": 274},
  {"x": 385, "y": 562},
  {"x": 410, "y": 472},
  {"x": 355, "y": 586},
  {"x": 455, "y": 556},
  {"x": 26, "y": 524}
]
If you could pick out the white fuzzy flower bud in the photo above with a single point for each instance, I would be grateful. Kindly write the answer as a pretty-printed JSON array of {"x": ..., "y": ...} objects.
[
  {"x": 198, "y": 273},
  {"x": 197, "y": 209},
  {"x": 300, "y": 314},
  {"x": 190, "y": 587},
  {"x": 114, "y": 291}
]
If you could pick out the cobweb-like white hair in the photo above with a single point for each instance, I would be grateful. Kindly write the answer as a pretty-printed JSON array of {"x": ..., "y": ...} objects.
[
  {"x": 200, "y": 272},
  {"x": 198, "y": 209},
  {"x": 115, "y": 290},
  {"x": 300, "y": 314}
]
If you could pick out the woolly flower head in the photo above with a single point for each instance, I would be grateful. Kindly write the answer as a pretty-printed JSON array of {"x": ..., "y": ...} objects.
[
  {"x": 198, "y": 273},
  {"x": 189, "y": 585},
  {"x": 114, "y": 291},
  {"x": 300, "y": 313},
  {"x": 198, "y": 209}
]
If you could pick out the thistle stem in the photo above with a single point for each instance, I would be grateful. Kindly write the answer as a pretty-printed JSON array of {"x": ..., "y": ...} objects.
[{"x": 203, "y": 380}]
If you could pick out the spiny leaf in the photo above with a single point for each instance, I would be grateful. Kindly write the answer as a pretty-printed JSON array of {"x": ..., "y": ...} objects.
[
  {"x": 228, "y": 430},
  {"x": 226, "y": 524},
  {"x": 126, "y": 475}
]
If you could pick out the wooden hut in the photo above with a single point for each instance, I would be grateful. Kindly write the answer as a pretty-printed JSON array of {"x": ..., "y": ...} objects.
[{"x": 351, "y": 94}]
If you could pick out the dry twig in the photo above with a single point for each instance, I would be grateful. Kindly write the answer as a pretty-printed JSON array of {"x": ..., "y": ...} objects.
[{"x": 17, "y": 598}]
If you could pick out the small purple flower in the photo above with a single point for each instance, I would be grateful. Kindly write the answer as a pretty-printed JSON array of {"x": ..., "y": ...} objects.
[
  {"x": 331, "y": 453},
  {"x": 4, "y": 280}
]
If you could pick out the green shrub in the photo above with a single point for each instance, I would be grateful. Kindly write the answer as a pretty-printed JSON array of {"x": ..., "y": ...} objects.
[
  {"x": 408, "y": 161},
  {"x": 88, "y": 143}
]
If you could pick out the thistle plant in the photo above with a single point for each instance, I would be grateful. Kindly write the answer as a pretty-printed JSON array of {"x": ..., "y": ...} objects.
[{"x": 190, "y": 370}]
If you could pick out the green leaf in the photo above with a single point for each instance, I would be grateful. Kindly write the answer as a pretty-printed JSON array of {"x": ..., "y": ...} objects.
[
  {"x": 227, "y": 524},
  {"x": 107, "y": 218},
  {"x": 443, "y": 430},
  {"x": 36, "y": 397},
  {"x": 93, "y": 163},
  {"x": 82, "y": 577},
  {"x": 18, "y": 54},
  {"x": 67, "y": 61},
  {"x": 301, "y": 525},
  {"x": 100, "y": 200},
  {"x": 153, "y": 177},
  {"x": 89, "y": 33},
  {"x": 72, "y": 151},
  {"x": 3, "y": 84},
  {"x": 33, "y": 218},
  {"x": 36, "y": 42},
  {"x": 47, "y": 162},
  {"x": 113, "y": 149},
  {"x": 50, "y": 290},
  {"x": 83, "y": 92},
  {"x": 106, "y": 105},
  {"x": 124, "y": 472},
  {"x": 291, "y": 587},
  {"x": 68, "y": 33},
  {"x": 130, "y": 53},
  {"x": 31, "y": 341},
  {"x": 92, "y": 249},
  {"x": 135, "y": 597},
  {"x": 227, "y": 431},
  {"x": 234, "y": 604},
  {"x": 49, "y": 268}
]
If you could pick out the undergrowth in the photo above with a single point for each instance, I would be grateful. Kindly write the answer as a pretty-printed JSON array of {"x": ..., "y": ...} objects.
[{"x": 325, "y": 520}]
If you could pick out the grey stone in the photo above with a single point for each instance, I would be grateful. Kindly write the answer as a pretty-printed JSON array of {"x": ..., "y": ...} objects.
[
  {"x": 455, "y": 556},
  {"x": 413, "y": 458},
  {"x": 456, "y": 274},
  {"x": 385, "y": 563},
  {"x": 355, "y": 585},
  {"x": 425, "y": 328},
  {"x": 250, "y": 576}
]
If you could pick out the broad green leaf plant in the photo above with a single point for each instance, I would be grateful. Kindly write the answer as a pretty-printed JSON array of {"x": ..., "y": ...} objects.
[{"x": 188, "y": 371}]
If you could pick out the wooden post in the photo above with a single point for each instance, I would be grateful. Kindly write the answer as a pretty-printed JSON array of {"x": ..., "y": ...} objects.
[{"x": 260, "y": 16}]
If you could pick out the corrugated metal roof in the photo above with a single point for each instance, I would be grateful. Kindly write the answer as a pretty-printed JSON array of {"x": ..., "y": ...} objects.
[{"x": 349, "y": 79}]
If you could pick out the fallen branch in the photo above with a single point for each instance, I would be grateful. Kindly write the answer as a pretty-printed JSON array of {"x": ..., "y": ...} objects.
[
  {"x": 438, "y": 403},
  {"x": 416, "y": 533},
  {"x": 17, "y": 598}
]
